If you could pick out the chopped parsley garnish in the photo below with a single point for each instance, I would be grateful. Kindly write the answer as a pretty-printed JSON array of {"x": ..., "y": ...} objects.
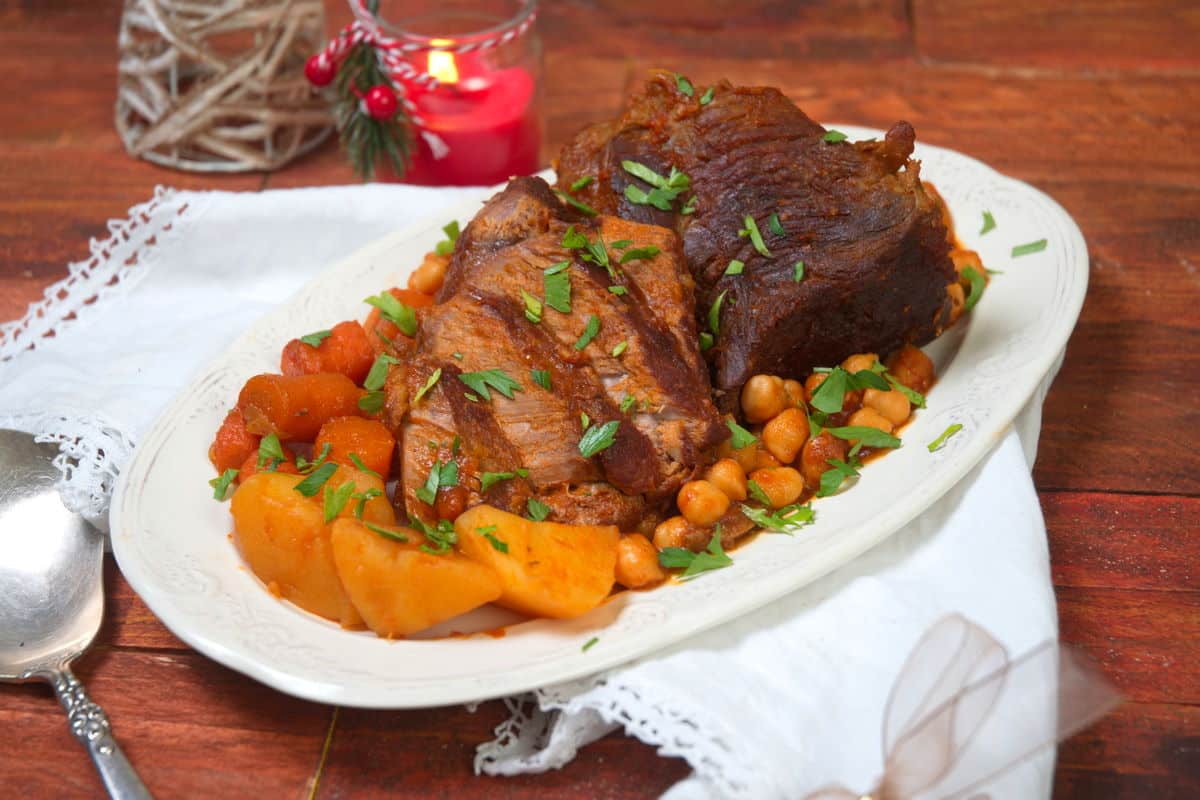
[
  {"x": 489, "y": 532},
  {"x": 627, "y": 403},
  {"x": 940, "y": 442},
  {"x": 978, "y": 284},
  {"x": 916, "y": 398},
  {"x": 706, "y": 341},
  {"x": 689, "y": 207},
  {"x": 755, "y": 235},
  {"x": 474, "y": 398},
  {"x": 363, "y": 498},
  {"x": 430, "y": 382},
  {"x": 270, "y": 453},
  {"x": 220, "y": 485},
  {"x": 741, "y": 437},
  {"x": 533, "y": 307},
  {"x": 684, "y": 85},
  {"x": 619, "y": 349},
  {"x": 834, "y": 136},
  {"x": 832, "y": 479},
  {"x": 621, "y": 244},
  {"x": 866, "y": 435},
  {"x": 556, "y": 280},
  {"x": 336, "y": 499},
  {"x": 536, "y": 510},
  {"x": 446, "y": 246},
  {"x": 313, "y": 483},
  {"x": 573, "y": 239},
  {"x": 640, "y": 253},
  {"x": 441, "y": 476},
  {"x": 664, "y": 191},
  {"x": 371, "y": 402},
  {"x": 315, "y": 339},
  {"x": 576, "y": 204},
  {"x": 385, "y": 533},
  {"x": 305, "y": 466},
  {"x": 441, "y": 536},
  {"x": 584, "y": 420},
  {"x": 757, "y": 493},
  {"x": 361, "y": 467},
  {"x": 497, "y": 379},
  {"x": 378, "y": 374},
  {"x": 735, "y": 267},
  {"x": 589, "y": 332},
  {"x": 541, "y": 377},
  {"x": 694, "y": 564},
  {"x": 1027, "y": 249},
  {"x": 989, "y": 223},
  {"x": 714, "y": 313},
  {"x": 795, "y": 514},
  {"x": 798, "y": 271},
  {"x": 831, "y": 394},
  {"x": 489, "y": 479},
  {"x": 618, "y": 290},
  {"x": 459, "y": 356},
  {"x": 776, "y": 226},
  {"x": 707, "y": 97},
  {"x": 586, "y": 180},
  {"x": 598, "y": 438},
  {"x": 395, "y": 312}
]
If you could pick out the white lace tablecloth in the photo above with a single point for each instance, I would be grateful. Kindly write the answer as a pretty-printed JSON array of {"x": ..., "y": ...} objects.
[{"x": 771, "y": 706}]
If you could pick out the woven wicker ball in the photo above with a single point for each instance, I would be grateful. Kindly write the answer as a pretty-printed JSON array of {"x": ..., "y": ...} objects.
[{"x": 218, "y": 85}]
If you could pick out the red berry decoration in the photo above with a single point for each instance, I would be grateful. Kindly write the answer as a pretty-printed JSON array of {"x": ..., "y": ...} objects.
[
  {"x": 381, "y": 102},
  {"x": 319, "y": 71}
]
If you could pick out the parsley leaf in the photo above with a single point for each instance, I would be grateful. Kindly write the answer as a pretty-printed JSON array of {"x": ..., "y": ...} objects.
[
  {"x": 586, "y": 180},
  {"x": 871, "y": 437},
  {"x": 220, "y": 485},
  {"x": 441, "y": 476},
  {"x": 618, "y": 290},
  {"x": 363, "y": 498},
  {"x": 395, "y": 312},
  {"x": 916, "y": 398},
  {"x": 446, "y": 246},
  {"x": 619, "y": 349},
  {"x": 741, "y": 436},
  {"x": 556, "y": 281},
  {"x": 378, "y": 374},
  {"x": 664, "y": 191},
  {"x": 684, "y": 85},
  {"x": 489, "y": 479},
  {"x": 497, "y": 379},
  {"x": 305, "y": 466},
  {"x": 714, "y": 313},
  {"x": 270, "y": 453},
  {"x": 694, "y": 564},
  {"x": 834, "y": 136},
  {"x": 533, "y": 307},
  {"x": 589, "y": 332},
  {"x": 832, "y": 479},
  {"x": 385, "y": 532},
  {"x": 758, "y": 493},
  {"x": 371, "y": 402},
  {"x": 315, "y": 339},
  {"x": 313, "y": 483},
  {"x": 707, "y": 97},
  {"x": 978, "y": 284},
  {"x": 776, "y": 226},
  {"x": 541, "y": 377},
  {"x": 598, "y": 438},
  {"x": 336, "y": 499},
  {"x": 940, "y": 442},
  {"x": 689, "y": 207},
  {"x": 755, "y": 235},
  {"x": 432, "y": 380},
  {"x": 573, "y": 239},
  {"x": 989, "y": 223},
  {"x": 798, "y": 271},
  {"x": 1027, "y": 249},
  {"x": 361, "y": 467},
  {"x": 706, "y": 341},
  {"x": 627, "y": 403},
  {"x": 489, "y": 532},
  {"x": 589, "y": 644},
  {"x": 537, "y": 510},
  {"x": 735, "y": 267},
  {"x": 441, "y": 536},
  {"x": 830, "y": 395},
  {"x": 781, "y": 520},
  {"x": 639, "y": 253},
  {"x": 577, "y": 204}
]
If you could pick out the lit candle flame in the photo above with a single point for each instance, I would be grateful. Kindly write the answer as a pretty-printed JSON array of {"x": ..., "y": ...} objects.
[{"x": 441, "y": 63}]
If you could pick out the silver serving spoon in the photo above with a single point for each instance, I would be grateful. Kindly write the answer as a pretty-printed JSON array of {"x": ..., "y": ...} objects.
[{"x": 52, "y": 598}]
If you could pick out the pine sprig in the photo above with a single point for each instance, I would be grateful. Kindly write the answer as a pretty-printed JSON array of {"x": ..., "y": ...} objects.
[{"x": 367, "y": 140}]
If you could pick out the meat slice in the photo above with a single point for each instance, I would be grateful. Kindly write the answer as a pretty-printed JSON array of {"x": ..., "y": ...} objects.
[
  {"x": 874, "y": 247},
  {"x": 642, "y": 368}
]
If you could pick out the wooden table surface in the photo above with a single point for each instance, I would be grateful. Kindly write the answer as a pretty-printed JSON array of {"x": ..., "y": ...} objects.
[{"x": 1097, "y": 103}]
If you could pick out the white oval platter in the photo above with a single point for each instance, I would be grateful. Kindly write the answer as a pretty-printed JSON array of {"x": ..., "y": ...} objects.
[{"x": 171, "y": 540}]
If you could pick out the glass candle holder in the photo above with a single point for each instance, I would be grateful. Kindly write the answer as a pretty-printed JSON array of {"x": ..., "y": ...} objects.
[{"x": 473, "y": 82}]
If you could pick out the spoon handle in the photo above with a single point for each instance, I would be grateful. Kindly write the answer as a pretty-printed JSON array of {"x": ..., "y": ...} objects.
[{"x": 90, "y": 725}]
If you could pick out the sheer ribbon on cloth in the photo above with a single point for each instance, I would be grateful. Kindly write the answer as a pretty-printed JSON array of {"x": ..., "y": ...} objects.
[{"x": 961, "y": 713}]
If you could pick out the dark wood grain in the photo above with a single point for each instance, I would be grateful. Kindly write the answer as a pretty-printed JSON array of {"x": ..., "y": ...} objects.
[{"x": 1095, "y": 102}]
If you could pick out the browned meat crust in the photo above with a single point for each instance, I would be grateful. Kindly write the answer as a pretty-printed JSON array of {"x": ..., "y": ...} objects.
[
  {"x": 479, "y": 324},
  {"x": 874, "y": 247}
]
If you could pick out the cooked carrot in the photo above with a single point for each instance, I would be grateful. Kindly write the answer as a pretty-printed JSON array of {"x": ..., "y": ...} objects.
[
  {"x": 380, "y": 331},
  {"x": 366, "y": 439},
  {"x": 250, "y": 466},
  {"x": 233, "y": 443},
  {"x": 296, "y": 406},
  {"x": 346, "y": 350}
]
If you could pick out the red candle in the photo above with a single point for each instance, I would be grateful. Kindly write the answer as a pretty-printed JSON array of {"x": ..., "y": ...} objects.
[{"x": 479, "y": 124}]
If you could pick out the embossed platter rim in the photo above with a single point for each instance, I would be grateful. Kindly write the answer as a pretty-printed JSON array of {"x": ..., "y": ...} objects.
[{"x": 170, "y": 539}]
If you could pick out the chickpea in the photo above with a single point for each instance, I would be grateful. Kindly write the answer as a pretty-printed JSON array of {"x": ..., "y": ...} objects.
[
  {"x": 746, "y": 457},
  {"x": 912, "y": 368},
  {"x": 702, "y": 503},
  {"x": 428, "y": 277},
  {"x": 671, "y": 532},
  {"x": 763, "y": 397},
  {"x": 785, "y": 435},
  {"x": 637, "y": 562},
  {"x": 859, "y": 362},
  {"x": 812, "y": 382},
  {"x": 783, "y": 485},
  {"x": 870, "y": 418},
  {"x": 728, "y": 476},
  {"x": 891, "y": 404},
  {"x": 764, "y": 460},
  {"x": 794, "y": 391},
  {"x": 814, "y": 458},
  {"x": 958, "y": 299}
]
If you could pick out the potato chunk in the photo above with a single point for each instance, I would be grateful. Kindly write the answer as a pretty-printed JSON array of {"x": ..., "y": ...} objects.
[
  {"x": 400, "y": 589},
  {"x": 283, "y": 537},
  {"x": 546, "y": 569}
]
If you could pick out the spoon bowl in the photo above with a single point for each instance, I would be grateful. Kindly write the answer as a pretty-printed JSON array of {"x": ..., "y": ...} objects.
[{"x": 52, "y": 598}]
